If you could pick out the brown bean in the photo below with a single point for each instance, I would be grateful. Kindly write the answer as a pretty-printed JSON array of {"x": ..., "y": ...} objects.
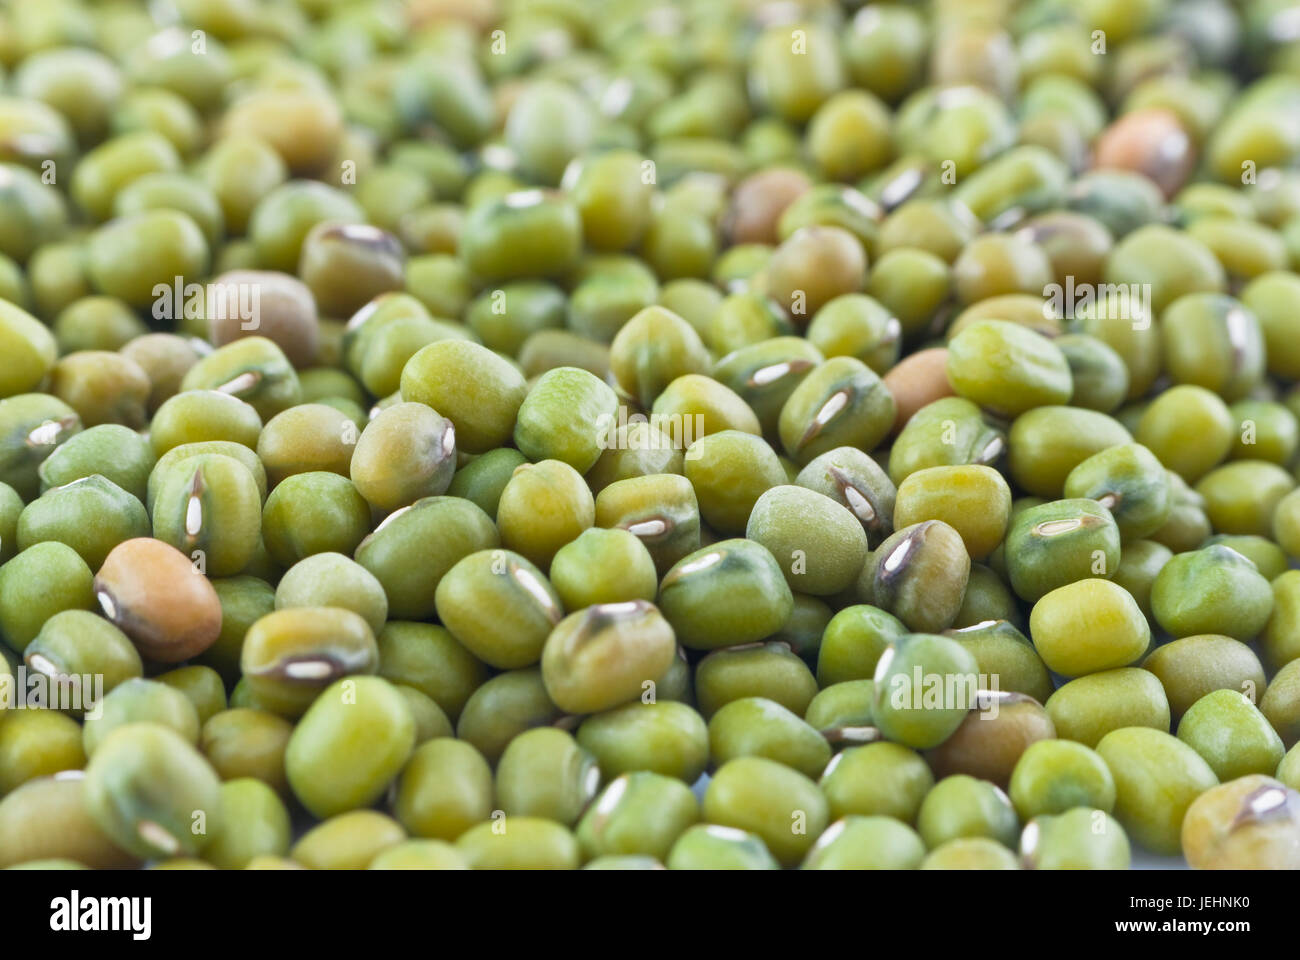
[
  {"x": 758, "y": 202},
  {"x": 152, "y": 592},
  {"x": 265, "y": 303},
  {"x": 990, "y": 741},
  {"x": 918, "y": 380},
  {"x": 1151, "y": 141}
]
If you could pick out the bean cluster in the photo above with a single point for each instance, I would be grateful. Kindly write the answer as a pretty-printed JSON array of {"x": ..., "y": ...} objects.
[{"x": 448, "y": 434}]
